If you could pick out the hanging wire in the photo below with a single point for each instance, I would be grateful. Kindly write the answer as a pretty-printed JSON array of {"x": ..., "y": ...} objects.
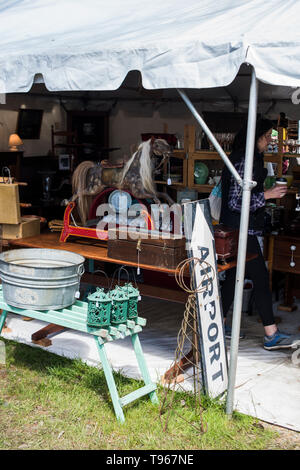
[
  {"x": 91, "y": 285},
  {"x": 187, "y": 338},
  {"x": 9, "y": 178},
  {"x": 118, "y": 270}
]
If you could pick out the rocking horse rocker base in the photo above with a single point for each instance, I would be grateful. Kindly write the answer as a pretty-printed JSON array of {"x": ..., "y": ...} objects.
[
  {"x": 88, "y": 232},
  {"x": 75, "y": 230}
]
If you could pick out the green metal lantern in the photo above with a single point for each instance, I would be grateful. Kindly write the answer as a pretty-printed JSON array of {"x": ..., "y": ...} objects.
[
  {"x": 134, "y": 296},
  {"x": 99, "y": 308},
  {"x": 119, "y": 299}
]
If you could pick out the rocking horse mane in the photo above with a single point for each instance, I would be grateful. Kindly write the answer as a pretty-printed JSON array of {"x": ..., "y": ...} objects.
[
  {"x": 79, "y": 178},
  {"x": 144, "y": 150}
]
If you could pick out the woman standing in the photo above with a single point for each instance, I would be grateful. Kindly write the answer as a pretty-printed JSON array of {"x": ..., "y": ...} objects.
[{"x": 230, "y": 215}]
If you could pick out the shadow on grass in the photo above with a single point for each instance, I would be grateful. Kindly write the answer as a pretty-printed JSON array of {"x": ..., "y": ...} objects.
[{"x": 71, "y": 371}]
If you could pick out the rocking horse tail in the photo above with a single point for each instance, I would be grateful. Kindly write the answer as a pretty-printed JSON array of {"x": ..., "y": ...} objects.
[{"x": 79, "y": 180}]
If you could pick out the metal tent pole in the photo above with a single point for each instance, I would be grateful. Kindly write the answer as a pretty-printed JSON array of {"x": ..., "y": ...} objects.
[
  {"x": 210, "y": 136},
  {"x": 244, "y": 221},
  {"x": 247, "y": 185}
]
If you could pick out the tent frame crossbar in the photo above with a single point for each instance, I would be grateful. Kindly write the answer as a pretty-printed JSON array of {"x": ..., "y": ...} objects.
[{"x": 247, "y": 185}]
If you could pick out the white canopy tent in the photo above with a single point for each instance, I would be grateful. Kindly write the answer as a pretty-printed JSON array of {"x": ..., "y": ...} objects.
[{"x": 92, "y": 45}]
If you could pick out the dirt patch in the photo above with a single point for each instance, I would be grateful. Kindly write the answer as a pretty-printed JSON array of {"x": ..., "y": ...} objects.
[{"x": 286, "y": 439}]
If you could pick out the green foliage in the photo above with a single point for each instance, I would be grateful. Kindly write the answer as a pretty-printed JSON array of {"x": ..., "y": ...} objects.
[{"x": 50, "y": 402}]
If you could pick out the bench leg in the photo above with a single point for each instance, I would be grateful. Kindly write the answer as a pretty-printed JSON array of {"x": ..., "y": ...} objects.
[
  {"x": 142, "y": 365},
  {"x": 91, "y": 265},
  {"x": 110, "y": 380},
  {"x": 2, "y": 319}
]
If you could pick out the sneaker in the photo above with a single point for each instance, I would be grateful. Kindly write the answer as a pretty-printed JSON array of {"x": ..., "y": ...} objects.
[
  {"x": 278, "y": 340},
  {"x": 228, "y": 332}
]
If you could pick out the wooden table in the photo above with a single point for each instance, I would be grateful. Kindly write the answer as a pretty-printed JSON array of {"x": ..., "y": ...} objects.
[
  {"x": 97, "y": 251},
  {"x": 94, "y": 250}
]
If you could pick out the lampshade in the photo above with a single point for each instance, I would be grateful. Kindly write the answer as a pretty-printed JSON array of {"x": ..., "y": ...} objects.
[{"x": 13, "y": 142}]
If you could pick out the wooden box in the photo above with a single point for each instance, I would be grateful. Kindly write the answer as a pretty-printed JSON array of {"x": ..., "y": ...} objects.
[
  {"x": 27, "y": 228},
  {"x": 226, "y": 241},
  {"x": 160, "y": 252}
]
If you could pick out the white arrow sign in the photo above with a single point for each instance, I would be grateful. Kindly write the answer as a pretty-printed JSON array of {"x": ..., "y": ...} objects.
[{"x": 201, "y": 245}]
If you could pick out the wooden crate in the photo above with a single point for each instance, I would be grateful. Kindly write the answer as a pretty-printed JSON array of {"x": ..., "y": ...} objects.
[
  {"x": 26, "y": 228},
  {"x": 160, "y": 252}
]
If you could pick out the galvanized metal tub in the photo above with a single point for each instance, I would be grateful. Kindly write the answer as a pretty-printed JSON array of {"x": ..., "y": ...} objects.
[{"x": 40, "y": 279}]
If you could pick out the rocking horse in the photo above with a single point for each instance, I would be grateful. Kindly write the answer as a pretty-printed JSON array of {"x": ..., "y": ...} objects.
[{"x": 135, "y": 176}]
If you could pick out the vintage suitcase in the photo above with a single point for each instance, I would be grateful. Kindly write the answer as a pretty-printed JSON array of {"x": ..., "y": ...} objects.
[
  {"x": 226, "y": 241},
  {"x": 136, "y": 247}
]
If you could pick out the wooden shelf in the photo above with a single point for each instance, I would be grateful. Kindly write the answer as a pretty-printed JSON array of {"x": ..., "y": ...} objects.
[
  {"x": 202, "y": 188},
  {"x": 179, "y": 154},
  {"x": 272, "y": 157},
  {"x": 179, "y": 183},
  {"x": 205, "y": 155},
  {"x": 292, "y": 190},
  {"x": 67, "y": 145},
  {"x": 291, "y": 155}
]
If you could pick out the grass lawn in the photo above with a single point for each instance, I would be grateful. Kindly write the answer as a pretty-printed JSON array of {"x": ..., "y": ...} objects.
[{"x": 51, "y": 402}]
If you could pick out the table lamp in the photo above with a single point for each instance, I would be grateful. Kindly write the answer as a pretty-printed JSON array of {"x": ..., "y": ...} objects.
[{"x": 13, "y": 142}]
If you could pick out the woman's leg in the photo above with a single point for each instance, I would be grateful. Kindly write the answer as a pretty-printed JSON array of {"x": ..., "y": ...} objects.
[
  {"x": 256, "y": 271},
  {"x": 227, "y": 291}
]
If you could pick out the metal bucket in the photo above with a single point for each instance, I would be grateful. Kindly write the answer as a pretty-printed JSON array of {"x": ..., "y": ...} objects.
[{"x": 40, "y": 279}]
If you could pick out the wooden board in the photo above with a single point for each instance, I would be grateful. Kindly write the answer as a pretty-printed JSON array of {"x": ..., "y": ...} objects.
[{"x": 9, "y": 204}]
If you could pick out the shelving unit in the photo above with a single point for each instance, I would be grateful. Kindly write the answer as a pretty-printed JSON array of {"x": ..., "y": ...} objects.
[
  {"x": 180, "y": 154},
  {"x": 190, "y": 155},
  {"x": 194, "y": 155},
  {"x": 69, "y": 147},
  {"x": 278, "y": 157},
  {"x": 92, "y": 134}
]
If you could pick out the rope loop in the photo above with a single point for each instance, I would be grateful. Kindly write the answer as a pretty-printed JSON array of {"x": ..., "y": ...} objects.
[{"x": 204, "y": 268}]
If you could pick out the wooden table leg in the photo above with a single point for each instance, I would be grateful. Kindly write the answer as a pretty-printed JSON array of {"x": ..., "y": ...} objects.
[
  {"x": 175, "y": 372},
  {"x": 2, "y": 319},
  {"x": 3, "y": 326},
  {"x": 270, "y": 256},
  {"x": 47, "y": 330},
  {"x": 288, "y": 305}
]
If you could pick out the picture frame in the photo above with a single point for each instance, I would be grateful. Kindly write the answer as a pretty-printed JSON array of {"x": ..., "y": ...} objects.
[
  {"x": 29, "y": 123},
  {"x": 64, "y": 162}
]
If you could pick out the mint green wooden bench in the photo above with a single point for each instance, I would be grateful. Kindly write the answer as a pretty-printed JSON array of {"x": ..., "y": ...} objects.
[{"x": 74, "y": 317}]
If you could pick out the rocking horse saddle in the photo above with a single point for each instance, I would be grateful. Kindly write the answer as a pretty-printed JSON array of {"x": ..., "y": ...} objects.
[{"x": 110, "y": 164}]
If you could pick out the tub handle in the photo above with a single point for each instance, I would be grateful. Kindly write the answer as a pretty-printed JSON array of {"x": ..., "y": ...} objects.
[{"x": 80, "y": 270}]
